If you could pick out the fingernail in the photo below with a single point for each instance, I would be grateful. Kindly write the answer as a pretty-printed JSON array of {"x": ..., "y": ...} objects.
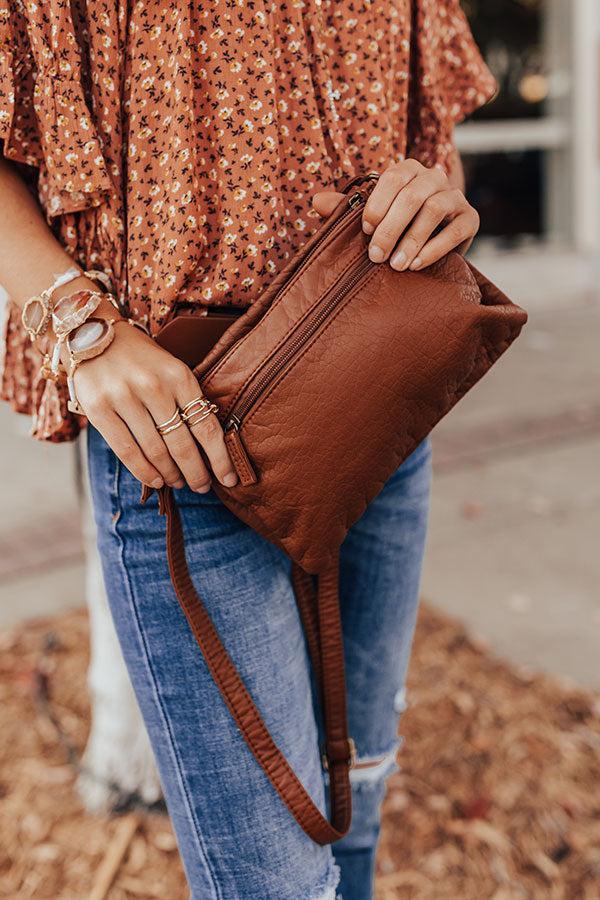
[
  {"x": 203, "y": 489},
  {"x": 157, "y": 483},
  {"x": 230, "y": 479},
  {"x": 398, "y": 260},
  {"x": 416, "y": 263},
  {"x": 178, "y": 484},
  {"x": 376, "y": 254},
  {"x": 367, "y": 227}
]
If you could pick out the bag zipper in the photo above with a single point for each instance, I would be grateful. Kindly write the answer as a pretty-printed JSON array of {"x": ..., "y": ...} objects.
[
  {"x": 295, "y": 342},
  {"x": 354, "y": 201}
]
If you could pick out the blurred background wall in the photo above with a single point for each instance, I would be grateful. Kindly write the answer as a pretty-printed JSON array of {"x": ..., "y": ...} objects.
[{"x": 531, "y": 156}]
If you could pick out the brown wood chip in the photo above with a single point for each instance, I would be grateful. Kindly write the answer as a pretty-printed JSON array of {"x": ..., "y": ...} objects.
[{"x": 497, "y": 796}]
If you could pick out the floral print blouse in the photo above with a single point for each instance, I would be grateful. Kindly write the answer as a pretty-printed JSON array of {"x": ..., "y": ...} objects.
[{"x": 177, "y": 146}]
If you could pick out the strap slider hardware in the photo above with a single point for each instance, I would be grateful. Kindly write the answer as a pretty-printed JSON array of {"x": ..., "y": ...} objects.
[{"x": 350, "y": 756}]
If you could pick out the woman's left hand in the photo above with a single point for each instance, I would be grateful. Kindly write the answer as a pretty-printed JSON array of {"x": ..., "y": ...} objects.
[{"x": 403, "y": 214}]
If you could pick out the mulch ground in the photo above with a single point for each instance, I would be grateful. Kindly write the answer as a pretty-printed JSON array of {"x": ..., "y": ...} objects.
[{"x": 498, "y": 797}]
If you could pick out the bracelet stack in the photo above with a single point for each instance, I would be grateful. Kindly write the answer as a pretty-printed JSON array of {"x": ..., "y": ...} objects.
[
  {"x": 37, "y": 312},
  {"x": 82, "y": 334}
]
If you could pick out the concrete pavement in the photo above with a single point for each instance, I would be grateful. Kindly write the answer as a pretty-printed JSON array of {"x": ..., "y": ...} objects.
[{"x": 515, "y": 521}]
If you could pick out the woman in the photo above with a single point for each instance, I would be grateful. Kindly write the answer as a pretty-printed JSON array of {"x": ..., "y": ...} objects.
[{"x": 186, "y": 151}]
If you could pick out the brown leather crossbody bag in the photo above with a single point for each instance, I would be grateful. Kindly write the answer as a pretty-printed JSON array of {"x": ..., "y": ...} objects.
[{"x": 325, "y": 385}]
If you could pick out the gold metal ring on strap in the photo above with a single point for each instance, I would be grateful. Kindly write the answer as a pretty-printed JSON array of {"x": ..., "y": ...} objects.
[
  {"x": 171, "y": 424},
  {"x": 201, "y": 414}
]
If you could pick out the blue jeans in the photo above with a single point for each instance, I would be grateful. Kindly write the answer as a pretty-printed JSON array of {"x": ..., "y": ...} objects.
[{"x": 237, "y": 840}]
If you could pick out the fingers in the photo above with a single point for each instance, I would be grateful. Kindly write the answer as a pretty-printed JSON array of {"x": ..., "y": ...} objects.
[
  {"x": 185, "y": 452},
  {"x": 403, "y": 208},
  {"x": 163, "y": 397},
  {"x": 325, "y": 202},
  {"x": 206, "y": 429},
  {"x": 153, "y": 446},
  {"x": 159, "y": 397},
  {"x": 118, "y": 436},
  {"x": 128, "y": 402},
  {"x": 436, "y": 208},
  {"x": 390, "y": 183},
  {"x": 458, "y": 234}
]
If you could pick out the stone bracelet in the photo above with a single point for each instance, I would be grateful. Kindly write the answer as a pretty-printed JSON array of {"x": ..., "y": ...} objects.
[
  {"x": 37, "y": 311},
  {"x": 86, "y": 341}
]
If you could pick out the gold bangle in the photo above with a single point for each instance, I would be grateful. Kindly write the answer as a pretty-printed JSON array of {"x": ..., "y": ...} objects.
[
  {"x": 136, "y": 323},
  {"x": 69, "y": 313},
  {"x": 37, "y": 310},
  {"x": 98, "y": 344},
  {"x": 102, "y": 277},
  {"x": 95, "y": 347}
]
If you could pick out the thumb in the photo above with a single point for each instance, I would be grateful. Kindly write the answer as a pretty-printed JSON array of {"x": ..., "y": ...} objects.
[{"x": 325, "y": 202}]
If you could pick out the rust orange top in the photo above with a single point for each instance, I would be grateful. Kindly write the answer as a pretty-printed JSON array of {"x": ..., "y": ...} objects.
[{"x": 177, "y": 146}]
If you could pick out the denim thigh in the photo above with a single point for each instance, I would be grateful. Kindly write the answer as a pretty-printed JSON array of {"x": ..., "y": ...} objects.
[
  {"x": 236, "y": 838},
  {"x": 380, "y": 570}
]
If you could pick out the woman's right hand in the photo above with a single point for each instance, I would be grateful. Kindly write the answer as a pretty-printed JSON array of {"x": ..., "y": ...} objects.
[{"x": 134, "y": 386}]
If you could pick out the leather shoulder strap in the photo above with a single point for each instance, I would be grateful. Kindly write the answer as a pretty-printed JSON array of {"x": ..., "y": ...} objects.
[{"x": 320, "y": 609}]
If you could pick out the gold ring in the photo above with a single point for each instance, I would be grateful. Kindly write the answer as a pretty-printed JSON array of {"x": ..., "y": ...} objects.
[
  {"x": 200, "y": 407},
  {"x": 177, "y": 424},
  {"x": 200, "y": 400},
  {"x": 201, "y": 415},
  {"x": 173, "y": 422},
  {"x": 170, "y": 420}
]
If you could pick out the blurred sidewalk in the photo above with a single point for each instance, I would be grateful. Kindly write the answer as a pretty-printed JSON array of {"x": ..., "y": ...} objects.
[{"x": 513, "y": 547}]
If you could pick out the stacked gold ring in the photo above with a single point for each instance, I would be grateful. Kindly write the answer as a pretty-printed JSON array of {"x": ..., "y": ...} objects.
[
  {"x": 192, "y": 413},
  {"x": 171, "y": 424},
  {"x": 197, "y": 410}
]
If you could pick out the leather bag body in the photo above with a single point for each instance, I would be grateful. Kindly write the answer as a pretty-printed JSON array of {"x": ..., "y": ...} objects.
[
  {"x": 391, "y": 356},
  {"x": 325, "y": 385}
]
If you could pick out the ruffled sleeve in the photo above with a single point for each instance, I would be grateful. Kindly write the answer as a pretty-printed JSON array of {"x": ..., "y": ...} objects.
[
  {"x": 44, "y": 118},
  {"x": 47, "y": 127},
  {"x": 449, "y": 79},
  {"x": 19, "y": 131},
  {"x": 46, "y": 115}
]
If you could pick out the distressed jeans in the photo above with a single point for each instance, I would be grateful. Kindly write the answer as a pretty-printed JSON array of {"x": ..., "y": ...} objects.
[{"x": 236, "y": 838}]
